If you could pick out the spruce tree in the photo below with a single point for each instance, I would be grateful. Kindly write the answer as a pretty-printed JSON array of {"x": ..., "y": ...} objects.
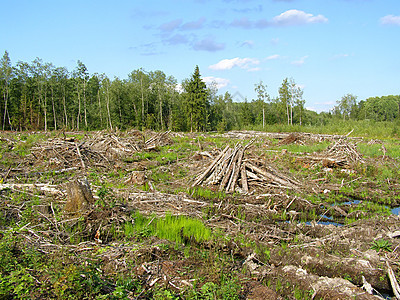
[{"x": 196, "y": 102}]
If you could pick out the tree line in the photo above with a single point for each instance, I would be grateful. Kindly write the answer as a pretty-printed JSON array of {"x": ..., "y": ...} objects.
[
  {"x": 41, "y": 96},
  {"x": 385, "y": 108}
]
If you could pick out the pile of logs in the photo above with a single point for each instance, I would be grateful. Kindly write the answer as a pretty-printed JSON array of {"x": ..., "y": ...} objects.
[{"x": 232, "y": 172}]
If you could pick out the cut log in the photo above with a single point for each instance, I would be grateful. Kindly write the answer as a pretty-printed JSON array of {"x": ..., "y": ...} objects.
[
  {"x": 200, "y": 179},
  {"x": 270, "y": 177},
  {"x": 227, "y": 176},
  {"x": 236, "y": 172},
  {"x": 243, "y": 175}
]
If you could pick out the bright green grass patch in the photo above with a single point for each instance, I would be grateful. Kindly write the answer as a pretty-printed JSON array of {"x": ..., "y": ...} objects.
[{"x": 179, "y": 229}]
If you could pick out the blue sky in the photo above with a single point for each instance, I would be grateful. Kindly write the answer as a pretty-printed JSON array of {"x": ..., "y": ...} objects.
[{"x": 329, "y": 47}]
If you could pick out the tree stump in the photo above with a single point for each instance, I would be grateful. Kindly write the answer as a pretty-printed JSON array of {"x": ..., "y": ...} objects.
[
  {"x": 79, "y": 196},
  {"x": 137, "y": 177}
]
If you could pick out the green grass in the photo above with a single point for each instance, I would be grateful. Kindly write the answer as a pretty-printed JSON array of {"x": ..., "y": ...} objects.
[
  {"x": 179, "y": 229},
  {"x": 206, "y": 194},
  {"x": 375, "y": 150},
  {"x": 365, "y": 128}
]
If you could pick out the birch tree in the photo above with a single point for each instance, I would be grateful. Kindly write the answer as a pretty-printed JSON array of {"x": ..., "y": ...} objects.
[
  {"x": 5, "y": 77},
  {"x": 263, "y": 97}
]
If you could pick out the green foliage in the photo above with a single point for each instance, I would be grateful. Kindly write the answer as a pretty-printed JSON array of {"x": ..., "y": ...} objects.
[
  {"x": 381, "y": 244},
  {"x": 196, "y": 102},
  {"x": 227, "y": 289},
  {"x": 206, "y": 194},
  {"x": 182, "y": 229},
  {"x": 346, "y": 105},
  {"x": 179, "y": 229},
  {"x": 150, "y": 99},
  {"x": 23, "y": 272}
]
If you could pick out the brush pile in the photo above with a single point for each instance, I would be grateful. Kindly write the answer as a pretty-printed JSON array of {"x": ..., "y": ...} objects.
[
  {"x": 102, "y": 149},
  {"x": 339, "y": 155},
  {"x": 157, "y": 140},
  {"x": 344, "y": 151},
  {"x": 231, "y": 171},
  {"x": 113, "y": 146},
  {"x": 66, "y": 153}
]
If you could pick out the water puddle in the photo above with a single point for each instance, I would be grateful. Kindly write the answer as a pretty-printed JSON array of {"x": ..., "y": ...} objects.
[
  {"x": 328, "y": 220},
  {"x": 324, "y": 223},
  {"x": 351, "y": 202},
  {"x": 396, "y": 211}
]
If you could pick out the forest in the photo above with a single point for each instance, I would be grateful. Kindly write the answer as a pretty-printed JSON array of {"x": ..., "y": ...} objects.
[{"x": 41, "y": 96}]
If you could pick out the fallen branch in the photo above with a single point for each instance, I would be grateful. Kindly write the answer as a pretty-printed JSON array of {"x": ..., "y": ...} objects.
[{"x": 393, "y": 281}]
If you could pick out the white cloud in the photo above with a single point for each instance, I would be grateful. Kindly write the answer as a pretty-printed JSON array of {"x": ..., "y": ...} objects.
[
  {"x": 274, "y": 41},
  {"x": 292, "y": 17},
  {"x": 272, "y": 57},
  {"x": 311, "y": 108},
  {"x": 390, "y": 20},
  {"x": 220, "y": 82},
  {"x": 242, "y": 23},
  {"x": 179, "y": 88},
  {"x": 300, "y": 62},
  {"x": 256, "y": 69},
  {"x": 227, "y": 64},
  {"x": 297, "y": 17}
]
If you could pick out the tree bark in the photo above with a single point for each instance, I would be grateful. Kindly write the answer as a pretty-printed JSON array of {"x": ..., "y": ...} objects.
[
  {"x": 54, "y": 111},
  {"x": 65, "y": 108}
]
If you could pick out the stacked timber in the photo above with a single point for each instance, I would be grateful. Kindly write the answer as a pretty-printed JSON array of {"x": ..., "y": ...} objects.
[{"x": 231, "y": 171}]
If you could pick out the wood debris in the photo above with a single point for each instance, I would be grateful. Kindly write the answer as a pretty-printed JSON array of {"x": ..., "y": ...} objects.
[
  {"x": 66, "y": 154},
  {"x": 341, "y": 154},
  {"x": 345, "y": 150},
  {"x": 294, "y": 137},
  {"x": 231, "y": 171},
  {"x": 395, "y": 285},
  {"x": 102, "y": 149},
  {"x": 112, "y": 145},
  {"x": 157, "y": 140}
]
